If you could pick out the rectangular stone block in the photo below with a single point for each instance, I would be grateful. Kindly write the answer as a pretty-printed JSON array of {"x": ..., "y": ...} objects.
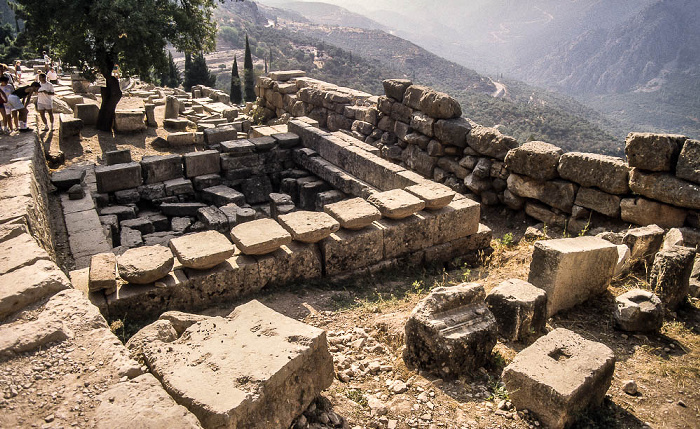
[
  {"x": 236, "y": 277},
  {"x": 119, "y": 156},
  {"x": 222, "y": 195},
  {"x": 201, "y": 163},
  {"x": 346, "y": 250},
  {"x": 458, "y": 219},
  {"x": 129, "y": 121},
  {"x": 599, "y": 201},
  {"x": 641, "y": 211},
  {"x": 404, "y": 236},
  {"x": 688, "y": 166},
  {"x": 103, "y": 274},
  {"x": 180, "y": 186},
  {"x": 571, "y": 270},
  {"x": 608, "y": 173},
  {"x": 117, "y": 177},
  {"x": 290, "y": 263},
  {"x": 87, "y": 113},
  {"x": 220, "y": 134},
  {"x": 160, "y": 168}
]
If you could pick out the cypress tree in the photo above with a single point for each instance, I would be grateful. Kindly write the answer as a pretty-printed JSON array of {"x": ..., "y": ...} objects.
[
  {"x": 248, "y": 73},
  {"x": 198, "y": 73},
  {"x": 188, "y": 72},
  {"x": 171, "y": 77},
  {"x": 236, "y": 92}
]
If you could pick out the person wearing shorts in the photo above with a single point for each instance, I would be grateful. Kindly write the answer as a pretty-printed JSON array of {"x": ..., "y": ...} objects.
[
  {"x": 52, "y": 76},
  {"x": 44, "y": 102},
  {"x": 18, "y": 102},
  {"x": 6, "y": 89}
]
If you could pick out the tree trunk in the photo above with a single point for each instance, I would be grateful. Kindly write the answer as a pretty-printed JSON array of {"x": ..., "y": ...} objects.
[{"x": 111, "y": 94}]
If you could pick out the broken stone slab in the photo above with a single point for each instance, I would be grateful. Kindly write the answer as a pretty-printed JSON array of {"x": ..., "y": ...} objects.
[
  {"x": 30, "y": 284},
  {"x": 160, "y": 330},
  {"x": 19, "y": 252},
  {"x": 451, "y": 332},
  {"x": 146, "y": 264},
  {"x": 670, "y": 275},
  {"x": 653, "y": 152},
  {"x": 142, "y": 402},
  {"x": 180, "y": 321},
  {"x": 260, "y": 356},
  {"x": 116, "y": 177},
  {"x": 214, "y": 219},
  {"x": 309, "y": 227},
  {"x": 103, "y": 273},
  {"x": 260, "y": 236},
  {"x": 638, "y": 310},
  {"x": 519, "y": 307},
  {"x": 623, "y": 260},
  {"x": 559, "y": 376},
  {"x": 557, "y": 267},
  {"x": 284, "y": 76},
  {"x": 435, "y": 195},
  {"x": 608, "y": 173},
  {"x": 202, "y": 250},
  {"x": 644, "y": 242},
  {"x": 641, "y": 211},
  {"x": 535, "y": 159},
  {"x": 396, "y": 203},
  {"x": 23, "y": 337}
]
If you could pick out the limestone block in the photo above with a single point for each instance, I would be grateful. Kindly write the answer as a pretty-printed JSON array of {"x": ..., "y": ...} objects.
[
  {"x": 396, "y": 88},
  {"x": 653, "y": 152},
  {"x": 556, "y": 193},
  {"x": 103, "y": 273},
  {"x": 150, "y": 114},
  {"x": 397, "y": 203},
  {"x": 181, "y": 209},
  {"x": 69, "y": 126},
  {"x": 222, "y": 195},
  {"x": 73, "y": 100},
  {"x": 688, "y": 167},
  {"x": 117, "y": 177},
  {"x": 30, "y": 284},
  {"x": 214, "y": 219},
  {"x": 355, "y": 213},
  {"x": 179, "y": 186},
  {"x": 608, "y": 173},
  {"x": 159, "y": 168},
  {"x": 638, "y": 310},
  {"x": 439, "y": 105},
  {"x": 260, "y": 236},
  {"x": 64, "y": 179},
  {"x": 559, "y": 376},
  {"x": 128, "y": 121},
  {"x": 670, "y": 275},
  {"x": 665, "y": 188},
  {"x": 407, "y": 235},
  {"x": 176, "y": 124},
  {"x": 642, "y": 211},
  {"x": 202, "y": 250},
  {"x": 258, "y": 188},
  {"x": 490, "y": 142},
  {"x": 348, "y": 250},
  {"x": 623, "y": 260},
  {"x": 435, "y": 195},
  {"x": 254, "y": 344},
  {"x": 558, "y": 265},
  {"x": 451, "y": 332},
  {"x": 87, "y": 113},
  {"x": 181, "y": 138},
  {"x": 644, "y": 242},
  {"x": 519, "y": 307},
  {"x": 217, "y": 135},
  {"x": 119, "y": 156},
  {"x": 535, "y": 159},
  {"x": 201, "y": 163},
  {"x": 172, "y": 107},
  {"x": 290, "y": 263},
  {"x": 201, "y": 183},
  {"x": 307, "y": 226},
  {"x": 161, "y": 330},
  {"x": 599, "y": 201},
  {"x": 142, "y": 402},
  {"x": 19, "y": 252},
  {"x": 458, "y": 219},
  {"x": 422, "y": 123},
  {"x": 144, "y": 265},
  {"x": 545, "y": 214},
  {"x": 286, "y": 140},
  {"x": 284, "y": 76},
  {"x": 452, "y": 131}
]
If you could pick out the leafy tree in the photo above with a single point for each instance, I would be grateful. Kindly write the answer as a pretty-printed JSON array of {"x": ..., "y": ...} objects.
[
  {"x": 236, "y": 92},
  {"x": 95, "y": 35},
  {"x": 198, "y": 73},
  {"x": 248, "y": 73},
  {"x": 171, "y": 77}
]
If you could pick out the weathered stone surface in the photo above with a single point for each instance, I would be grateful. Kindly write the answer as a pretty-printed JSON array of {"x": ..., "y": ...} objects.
[
  {"x": 143, "y": 265},
  {"x": 519, "y": 307},
  {"x": 64, "y": 179},
  {"x": 256, "y": 189},
  {"x": 397, "y": 203},
  {"x": 535, "y": 159},
  {"x": 355, "y": 213},
  {"x": 290, "y": 263},
  {"x": 490, "y": 142},
  {"x": 451, "y": 332},
  {"x": 458, "y": 219},
  {"x": 665, "y": 188},
  {"x": 396, "y": 88},
  {"x": 348, "y": 250},
  {"x": 141, "y": 402},
  {"x": 608, "y": 173},
  {"x": 557, "y": 267},
  {"x": 260, "y": 356},
  {"x": 641, "y": 211},
  {"x": 408, "y": 235},
  {"x": 653, "y": 152},
  {"x": 116, "y": 177},
  {"x": 599, "y": 201},
  {"x": 422, "y": 123},
  {"x": 688, "y": 166},
  {"x": 19, "y": 252},
  {"x": 439, "y": 105},
  {"x": 222, "y": 195},
  {"x": 160, "y": 330},
  {"x": 623, "y": 260},
  {"x": 545, "y": 214},
  {"x": 309, "y": 227},
  {"x": 559, "y": 376},
  {"x": 24, "y": 337},
  {"x": 214, "y": 219},
  {"x": 556, "y": 193},
  {"x": 181, "y": 321},
  {"x": 181, "y": 209},
  {"x": 452, "y": 131},
  {"x": 103, "y": 273},
  {"x": 638, "y": 311},
  {"x": 644, "y": 242},
  {"x": 260, "y": 236},
  {"x": 127, "y": 121},
  {"x": 435, "y": 195},
  {"x": 182, "y": 138},
  {"x": 30, "y": 284},
  {"x": 695, "y": 279},
  {"x": 213, "y": 136},
  {"x": 202, "y": 250},
  {"x": 159, "y": 168},
  {"x": 670, "y": 275}
]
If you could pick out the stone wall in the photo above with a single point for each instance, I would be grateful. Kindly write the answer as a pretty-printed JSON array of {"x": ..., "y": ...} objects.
[{"x": 424, "y": 131}]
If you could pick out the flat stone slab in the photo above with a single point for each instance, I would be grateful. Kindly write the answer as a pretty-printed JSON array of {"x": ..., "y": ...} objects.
[
  {"x": 559, "y": 376},
  {"x": 30, "y": 284},
  {"x": 435, "y": 195},
  {"x": 202, "y": 250},
  {"x": 143, "y": 265},
  {"x": 309, "y": 227},
  {"x": 397, "y": 203},
  {"x": 19, "y": 252},
  {"x": 142, "y": 402},
  {"x": 243, "y": 368},
  {"x": 260, "y": 236}
]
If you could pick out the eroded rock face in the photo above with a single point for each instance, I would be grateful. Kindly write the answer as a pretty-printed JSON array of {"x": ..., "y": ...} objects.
[
  {"x": 559, "y": 376},
  {"x": 451, "y": 332},
  {"x": 254, "y": 369},
  {"x": 638, "y": 311}
]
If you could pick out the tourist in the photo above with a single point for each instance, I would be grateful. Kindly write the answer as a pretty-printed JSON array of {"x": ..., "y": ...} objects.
[
  {"x": 5, "y": 71},
  {"x": 3, "y": 100},
  {"x": 18, "y": 102},
  {"x": 44, "y": 101},
  {"x": 18, "y": 71},
  {"x": 52, "y": 76},
  {"x": 47, "y": 61},
  {"x": 7, "y": 89}
]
